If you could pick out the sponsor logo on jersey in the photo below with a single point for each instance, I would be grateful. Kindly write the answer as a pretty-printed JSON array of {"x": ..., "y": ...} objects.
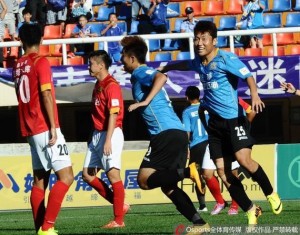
[
  {"x": 244, "y": 71},
  {"x": 114, "y": 102}
]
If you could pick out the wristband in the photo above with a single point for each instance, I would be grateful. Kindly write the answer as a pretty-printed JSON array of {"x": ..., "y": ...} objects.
[{"x": 295, "y": 92}]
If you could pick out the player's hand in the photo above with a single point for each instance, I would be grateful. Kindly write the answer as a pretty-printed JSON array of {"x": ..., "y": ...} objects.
[
  {"x": 53, "y": 136},
  {"x": 107, "y": 150},
  {"x": 288, "y": 87},
  {"x": 133, "y": 107},
  {"x": 257, "y": 104}
]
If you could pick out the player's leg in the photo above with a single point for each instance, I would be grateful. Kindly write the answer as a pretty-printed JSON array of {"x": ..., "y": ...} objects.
[
  {"x": 234, "y": 207},
  {"x": 92, "y": 165}
]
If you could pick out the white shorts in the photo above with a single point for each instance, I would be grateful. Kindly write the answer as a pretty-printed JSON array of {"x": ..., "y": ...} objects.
[
  {"x": 210, "y": 165},
  {"x": 95, "y": 158},
  {"x": 47, "y": 157}
]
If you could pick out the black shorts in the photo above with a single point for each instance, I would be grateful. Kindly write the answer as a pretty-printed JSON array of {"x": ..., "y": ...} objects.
[
  {"x": 197, "y": 152},
  {"x": 227, "y": 136},
  {"x": 167, "y": 150}
]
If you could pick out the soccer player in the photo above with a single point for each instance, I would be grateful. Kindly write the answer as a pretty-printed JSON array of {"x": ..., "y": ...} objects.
[
  {"x": 39, "y": 123},
  {"x": 228, "y": 128},
  {"x": 106, "y": 144},
  {"x": 163, "y": 163}
]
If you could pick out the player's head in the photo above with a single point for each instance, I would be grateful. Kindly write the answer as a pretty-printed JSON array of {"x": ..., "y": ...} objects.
[
  {"x": 30, "y": 35},
  {"x": 205, "y": 37},
  {"x": 192, "y": 93},
  {"x": 133, "y": 53},
  {"x": 99, "y": 61}
]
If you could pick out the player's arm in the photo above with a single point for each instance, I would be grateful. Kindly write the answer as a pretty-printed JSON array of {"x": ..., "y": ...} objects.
[
  {"x": 289, "y": 88},
  {"x": 107, "y": 149},
  {"x": 257, "y": 104},
  {"x": 49, "y": 107},
  {"x": 158, "y": 82}
]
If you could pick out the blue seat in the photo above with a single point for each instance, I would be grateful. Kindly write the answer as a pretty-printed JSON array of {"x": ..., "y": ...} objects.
[
  {"x": 227, "y": 23},
  {"x": 154, "y": 44},
  {"x": 211, "y": 19},
  {"x": 97, "y": 2},
  {"x": 171, "y": 45},
  {"x": 183, "y": 55},
  {"x": 97, "y": 27},
  {"x": 134, "y": 27},
  {"x": 173, "y": 9},
  {"x": 297, "y": 5},
  {"x": 163, "y": 56},
  {"x": 104, "y": 12},
  {"x": 177, "y": 25},
  {"x": 124, "y": 12},
  {"x": 281, "y": 5},
  {"x": 272, "y": 20},
  {"x": 115, "y": 2},
  {"x": 292, "y": 19},
  {"x": 123, "y": 26},
  {"x": 222, "y": 41}
]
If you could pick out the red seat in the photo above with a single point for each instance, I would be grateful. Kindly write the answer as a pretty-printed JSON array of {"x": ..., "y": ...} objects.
[
  {"x": 253, "y": 52},
  {"x": 56, "y": 50},
  {"x": 267, "y": 40},
  {"x": 44, "y": 50},
  {"x": 12, "y": 52},
  {"x": 232, "y": 7},
  {"x": 52, "y": 32},
  {"x": 212, "y": 7},
  {"x": 76, "y": 60},
  {"x": 68, "y": 30},
  {"x": 292, "y": 49},
  {"x": 285, "y": 38},
  {"x": 268, "y": 51},
  {"x": 54, "y": 61},
  {"x": 196, "y": 5}
]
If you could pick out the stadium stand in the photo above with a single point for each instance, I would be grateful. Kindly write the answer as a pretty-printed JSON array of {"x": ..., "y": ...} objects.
[
  {"x": 163, "y": 56},
  {"x": 154, "y": 45},
  {"x": 226, "y": 22},
  {"x": 76, "y": 60},
  {"x": 269, "y": 51},
  {"x": 211, "y": 7},
  {"x": 196, "y": 5},
  {"x": 104, "y": 11},
  {"x": 68, "y": 30},
  {"x": 54, "y": 61},
  {"x": 232, "y": 7},
  {"x": 183, "y": 55},
  {"x": 222, "y": 41},
  {"x": 297, "y": 5},
  {"x": 292, "y": 49},
  {"x": 291, "y": 19},
  {"x": 272, "y": 20},
  {"x": 173, "y": 9},
  {"x": 44, "y": 50},
  {"x": 52, "y": 32},
  {"x": 280, "y": 5},
  {"x": 97, "y": 2},
  {"x": 253, "y": 52},
  {"x": 170, "y": 45},
  {"x": 285, "y": 38}
]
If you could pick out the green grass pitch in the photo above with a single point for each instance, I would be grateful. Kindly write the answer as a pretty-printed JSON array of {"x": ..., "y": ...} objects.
[{"x": 156, "y": 219}]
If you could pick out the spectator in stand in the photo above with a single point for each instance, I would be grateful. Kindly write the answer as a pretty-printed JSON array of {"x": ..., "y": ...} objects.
[
  {"x": 3, "y": 10},
  {"x": 83, "y": 30},
  {"x": 253, "y": 14},
  {"x": 136, "y": 7},
  {"x": 22, "y": 4},
  {"x": 81, "y": 7},
  {"x": 57, "y": 16},
  {"x": 112, "y": 29},
  {"x": 187, "y": 26},
  {"x": 289, "y": 88},
  {"x": 9, "y": 19},
  {"x": 38, "y": 11}
]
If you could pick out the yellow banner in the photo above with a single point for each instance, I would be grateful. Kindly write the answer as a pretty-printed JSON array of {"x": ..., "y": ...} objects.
[{"x": 16, "y": 180}]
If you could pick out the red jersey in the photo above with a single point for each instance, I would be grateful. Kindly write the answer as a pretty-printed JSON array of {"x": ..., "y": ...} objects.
[
  {"x": 107, "y": 98},
  {"x": 32, "y": 76}
]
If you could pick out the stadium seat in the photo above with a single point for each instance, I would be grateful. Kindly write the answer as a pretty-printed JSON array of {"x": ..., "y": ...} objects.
[
  {"x": 134, "y": 27},
  {"x": 222, "y": 41},
  {"x": 123, "y": 25},
  {"x": 253, "y": 52},
  {"x": 285, "y": 38},
  {"x": 154, "y": 44},
  {"x": 280, "y": 5},
  {"x": 183, "y": 55},
  {"x": 226, "y": 22},
  {"x": 76, "y": 60},
  {"x": 268, "y": 51},
  {"x": 292, "y": 49},
  {"x": 124, "y": 12},
  {"x": 237, "y": 51},
  {"x": 272, "y": 20},
  {"x": 97, "y": 2},
  {"x": 291, "y": 19},
  {"x": 211, "y": 19},
  {"x": 212, "y": 7},
  {"x": 52, "y": 32},
  {"x": 297, "y": 5},
  {"x": 44, "y": 50},
  {"x": 56, "y": 50},
  {"x": 267, "y": 39},
  {"x": 68, "y": 30},
  {"x": 104, "y": 12},
  {"x": 173, "y": 9},
  {"x": 196, "y": 5},
  {"x": 170, "y": 45},
  {"x": 10, "y": 52},
  {"x": 54, "y": 61},
  {"x": 115, "y": 2},
  {"x": 232, "y": 7},
  {"x": 177, "y": 25},
  {"x": 163, "y": 56},
  {"x": 6, "y": 36},
  {"x": 97, "y": 27}
]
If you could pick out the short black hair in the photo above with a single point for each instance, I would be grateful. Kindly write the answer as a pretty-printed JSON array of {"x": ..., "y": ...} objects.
[
  {"x": 192, "y": 92},
  {"x": 135, "y": 46},
  {"x": 206, "y": 26},
  {"x": 101, "y": 55},
  {"x": 30, "y": 35},
  {"x": 26, "y": 10}
]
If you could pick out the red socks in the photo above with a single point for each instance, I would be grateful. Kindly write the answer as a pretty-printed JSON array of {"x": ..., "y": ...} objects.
[
  {"x": 55, "y": 199},
  {"x": 119, "y": 195},
  {"x": 215, "y": 190},
  {"x": 101, "y": 187},
  {"x": 37, "y": 201},
  {"x": 234, "y": 204}
]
